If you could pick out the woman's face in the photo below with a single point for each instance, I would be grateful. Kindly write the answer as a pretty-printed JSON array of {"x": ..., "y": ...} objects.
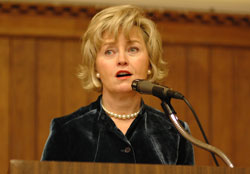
[{"x": 121, "y": 61}]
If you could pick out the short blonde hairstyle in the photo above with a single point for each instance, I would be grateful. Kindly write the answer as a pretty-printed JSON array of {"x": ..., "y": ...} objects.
[{"x": 111, "y": 20}]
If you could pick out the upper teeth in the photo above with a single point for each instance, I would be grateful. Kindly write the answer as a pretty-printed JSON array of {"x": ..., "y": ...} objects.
[{"x": 123, "y": 73}]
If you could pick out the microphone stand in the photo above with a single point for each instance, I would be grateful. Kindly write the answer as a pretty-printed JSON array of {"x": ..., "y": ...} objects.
[{"x": 168, "y": 109}]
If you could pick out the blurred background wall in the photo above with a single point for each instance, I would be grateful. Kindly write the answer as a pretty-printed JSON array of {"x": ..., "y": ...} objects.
[
  {"x": 229, "y": 6},
  {"x": 207, "y": 49}
]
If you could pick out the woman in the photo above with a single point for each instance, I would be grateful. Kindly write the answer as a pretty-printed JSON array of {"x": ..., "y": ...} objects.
[{"x": 119, "y": 46}]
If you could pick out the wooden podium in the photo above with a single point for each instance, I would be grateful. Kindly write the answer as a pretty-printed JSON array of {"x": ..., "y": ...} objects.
[{"x": 37, "y": 167}]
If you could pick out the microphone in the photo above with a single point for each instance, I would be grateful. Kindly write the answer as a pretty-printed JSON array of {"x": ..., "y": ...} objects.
[{"x": 162, "y": 92}]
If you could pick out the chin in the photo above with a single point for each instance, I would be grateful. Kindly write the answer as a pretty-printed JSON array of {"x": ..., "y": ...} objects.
[{"x": 123, "y": 89}]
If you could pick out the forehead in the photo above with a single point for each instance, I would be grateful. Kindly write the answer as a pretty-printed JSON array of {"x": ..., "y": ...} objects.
[{"x": 133, "y": 34}]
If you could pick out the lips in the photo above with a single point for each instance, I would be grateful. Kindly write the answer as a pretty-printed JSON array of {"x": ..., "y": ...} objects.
[{"x": 123, "y": 74}]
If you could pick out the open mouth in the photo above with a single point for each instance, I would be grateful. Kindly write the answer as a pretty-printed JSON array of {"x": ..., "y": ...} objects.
[{"x": 123, "y": 74}]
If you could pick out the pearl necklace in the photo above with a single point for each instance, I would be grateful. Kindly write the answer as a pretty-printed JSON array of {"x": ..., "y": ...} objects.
[{"x": 129, "y": 116}]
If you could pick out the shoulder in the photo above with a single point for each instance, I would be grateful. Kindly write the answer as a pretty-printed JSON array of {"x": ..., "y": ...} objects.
[
  {"x": 86, "y": 113},
  {"x": 159, "y": 116},
  {"x": 156, "y": 114},
  {"x": 153, "y": 111}
]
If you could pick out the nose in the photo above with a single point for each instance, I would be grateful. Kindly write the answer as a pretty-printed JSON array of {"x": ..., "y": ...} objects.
[{"x": 122, "y": 59}]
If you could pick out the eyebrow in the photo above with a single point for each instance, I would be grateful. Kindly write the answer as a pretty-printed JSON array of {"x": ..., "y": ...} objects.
[
  {"x": 112, "y": 42},
  {"x": 134, "y": 41},
  {"x": 108, "y": 43}
]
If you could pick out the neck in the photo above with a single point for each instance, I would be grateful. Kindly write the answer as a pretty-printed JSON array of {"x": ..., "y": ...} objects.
[{"x": 125, "y": 103}]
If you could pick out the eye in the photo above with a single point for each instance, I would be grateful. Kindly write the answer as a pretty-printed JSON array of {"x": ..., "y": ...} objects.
[
  {"x": 109, "y": 52},
  {"x": 133, "y": 49}
]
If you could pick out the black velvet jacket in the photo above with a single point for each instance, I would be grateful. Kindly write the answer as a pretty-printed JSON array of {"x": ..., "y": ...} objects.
[{"x": 90, "y": 135}]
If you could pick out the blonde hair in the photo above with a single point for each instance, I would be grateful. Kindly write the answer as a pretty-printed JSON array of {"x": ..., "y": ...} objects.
[{"x": 111, "y": 20}]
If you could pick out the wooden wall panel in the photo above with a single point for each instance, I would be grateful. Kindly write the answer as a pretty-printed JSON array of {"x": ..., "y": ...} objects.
[
  {"x": 49, "y": 87},
  {"x": 240, "y": 115},
  {"x": 198, "y": 93},
  {"x": 175, "y": 55},
  {"x": 222, "y": 81},
  {"x": 22, "y": 99},
  {"x": 214, "y": 34},
  {"x": 4, "y": 103},
  {"x": 73, "y": 95}
]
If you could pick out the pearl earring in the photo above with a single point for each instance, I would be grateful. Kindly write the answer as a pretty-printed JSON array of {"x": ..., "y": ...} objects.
[
  {"x": 149, "y": 72},
  {"x": 98, "y": 75}
]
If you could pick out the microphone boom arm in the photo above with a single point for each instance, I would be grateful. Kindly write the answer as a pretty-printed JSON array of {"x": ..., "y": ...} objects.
[{"x": 174, "y": 120}]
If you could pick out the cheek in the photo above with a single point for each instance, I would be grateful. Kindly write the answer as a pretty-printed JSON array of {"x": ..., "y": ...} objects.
[
  {"x": 104, "y": 68},
  {"x": 143, "y": 67},
  {"x": 145, "y": 63},
  {"x": 100, "y": 65},
  {"x": 98, "y": 68}
]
